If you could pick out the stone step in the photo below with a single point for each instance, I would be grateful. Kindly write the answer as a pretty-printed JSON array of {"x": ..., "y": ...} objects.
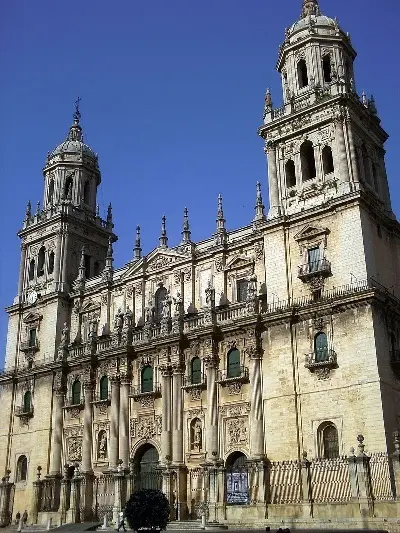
[{"x": 184, "y": 525}]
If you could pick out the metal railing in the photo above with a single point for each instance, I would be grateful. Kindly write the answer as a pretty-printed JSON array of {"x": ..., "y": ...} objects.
[
  {"x": 195, "y": 381},
  {"x": 321, "y": 358},
  {"x": 137, "y": 391},
  {"x": 322, "y": 266},
  {"x": 30, "y": 346},
  {"x": 240, "y": 373},
  {"x": 24, "y": 410}
]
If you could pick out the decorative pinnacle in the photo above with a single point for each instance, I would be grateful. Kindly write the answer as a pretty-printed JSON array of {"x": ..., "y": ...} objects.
[
  {"x": 38, "y": 209},
  {"x": 364, "y": 99},
  {"x": 75, "y": 131},
  {"x": 268, "y": 99},
  {"x": 163, "y": 239},
  {"x": 109, "y": 214},
  {"x": 259, "y": 204},
  {"x": 137, "y": 250},
  {"x": 186, "y": 229},
  {"x": 28, "y": 210},
  {"x": 310, "y": 7},
  {"x": 109, "y": 257},
  {"x": 220, "y": 217}
]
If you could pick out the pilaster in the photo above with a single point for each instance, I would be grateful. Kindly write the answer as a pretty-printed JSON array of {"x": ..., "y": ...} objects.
[{"x": 114, "y": 422}]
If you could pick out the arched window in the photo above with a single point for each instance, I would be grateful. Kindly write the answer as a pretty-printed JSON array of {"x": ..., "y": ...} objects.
[
  {"x": 22, "y": 468},
  {"x": 237, "y": 480},
  {"x": 161, "y": 295},
  {"x": 68, "y": 188},
  {"x": 321, "y": 347},
  {"x": 41, "y": 260},
  {"x": 96, "y": 268},
  {"x": 104, "y": 388},
  {"x": 31, "y": 273},
  {"x": 195, "y": 370},
  {"x": 302, "y": 73},
  {"x": 327, "y": 160},
  {"x": 51, "y": 263},
  {"x": 329, "y": 440},
  {"x": 307, "y": 161},
  {"x": 86, "y": 192},
  {"x": 327, "y": 68},
  {"x": 76, "y": 393},
  {"x": 27, "y": 401},
  {"x": 290, "y": 173},
  {"x": 147, "y": 379},
  {"x": 233, "y": 363},
  {"x": 50, "y": 194}
]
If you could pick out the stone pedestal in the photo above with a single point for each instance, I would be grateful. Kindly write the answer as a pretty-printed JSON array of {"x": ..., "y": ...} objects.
[
  {"x": 73, "y": 513},
  {"x": 118, "y": 493},
  {"x": 86, "y": 496},
  {"x": 360, "y": 479},
  {"x": 305, "y": 474},
  {"x": 64, "y": 499}
]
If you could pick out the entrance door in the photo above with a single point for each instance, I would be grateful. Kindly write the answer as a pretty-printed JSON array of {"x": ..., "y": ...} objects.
[
  {"x": 147, "y": 474},
  {"x": 237, "y": 479}
]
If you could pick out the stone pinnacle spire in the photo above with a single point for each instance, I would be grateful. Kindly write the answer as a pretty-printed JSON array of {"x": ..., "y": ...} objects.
[
  {"x": 137, "y": 250},
  {"x": 186, "y": 230},
  {"x": 220, "y": 216},
  {"x": 310, "y": 7},
  {"x": 75, "y": 131},
  {"x": 259, "y": 204},
  {"x": 163, "y": 238},
  {"x": 82, "y": 266}
]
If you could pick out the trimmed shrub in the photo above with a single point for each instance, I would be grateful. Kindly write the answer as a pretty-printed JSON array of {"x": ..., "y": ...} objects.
[{"x": 147, "y": 509}]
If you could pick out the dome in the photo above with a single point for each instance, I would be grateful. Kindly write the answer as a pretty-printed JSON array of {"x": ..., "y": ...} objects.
[
  {"x": 317, "y": 21},
  {"x": 74, "y": 144}
]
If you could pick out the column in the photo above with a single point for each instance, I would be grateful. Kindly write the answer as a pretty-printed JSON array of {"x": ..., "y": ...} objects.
[
  {"x": 56, "y": 434},
  {"x": 396, "y": 464},
  {"x": 210, "y": 363},
  {"x": 343, "y": 166},
  {"x": 256, "y": 417},
  {"x": 87, "y": 428},
  {"x": 166, "y": 414},
  {"x": 177, "y": 413},
  {"x": 274, "y": 207},
  {"x": 305, "y": 473},
  {"x": 64, "y": 275},
  {"x": 57, "y": 259},
  {"x": 353, "y": 153},
  {"x": 124, "y": 421},
  {"x": 114, "y": 422},
  {"x": 22, "y": 270}
]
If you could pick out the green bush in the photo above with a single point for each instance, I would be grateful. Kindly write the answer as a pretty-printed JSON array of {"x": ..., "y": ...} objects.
[{"x": 148, "y": 509}]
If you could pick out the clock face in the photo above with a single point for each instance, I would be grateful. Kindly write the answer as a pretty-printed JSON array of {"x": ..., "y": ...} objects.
[{"x": 32, "y": 297}]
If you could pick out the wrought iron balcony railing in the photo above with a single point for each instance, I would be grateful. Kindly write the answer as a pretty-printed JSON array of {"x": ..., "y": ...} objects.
[
  {"x": 138, "y": 392},
  {"x": 71, "y": 403},
  {"x": 230, "y": 375},
  {"x": 321, "y": 359},
  {"x": 30, "y": 346},
  {"x": 322, "y": 267},
  {"x": 195, "y": 381},
  {"x": 24, "y": 411}
]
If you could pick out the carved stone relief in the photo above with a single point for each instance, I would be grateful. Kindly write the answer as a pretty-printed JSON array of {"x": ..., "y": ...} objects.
[{"x": 237, "y": 432}]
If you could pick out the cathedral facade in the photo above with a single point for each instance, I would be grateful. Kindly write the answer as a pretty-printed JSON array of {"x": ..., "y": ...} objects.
[{"x": 236, "y": 374}]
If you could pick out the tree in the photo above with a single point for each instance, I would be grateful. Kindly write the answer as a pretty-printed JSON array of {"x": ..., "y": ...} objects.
[{"x": 147, "y": 509}]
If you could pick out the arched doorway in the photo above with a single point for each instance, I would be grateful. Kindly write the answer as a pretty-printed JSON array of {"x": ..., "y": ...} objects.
[
  {"x": 237, "y": 479},
  {"x": 147, "y": 474}
]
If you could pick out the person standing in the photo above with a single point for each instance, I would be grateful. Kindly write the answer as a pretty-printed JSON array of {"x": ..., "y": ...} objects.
[{"x": 121, "y": 522}]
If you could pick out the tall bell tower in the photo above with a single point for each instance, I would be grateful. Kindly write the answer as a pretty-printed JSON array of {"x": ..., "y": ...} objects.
[
  {"x": 325, "y": 141},
  {"x": 56, "y": 239}
]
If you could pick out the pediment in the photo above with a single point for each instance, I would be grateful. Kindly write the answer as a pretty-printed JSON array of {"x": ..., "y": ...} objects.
[
  {"x": 89, "y": 305},
  {"x": 310, "y": 232},
  {"x": 239, "y": 261},
  {"x": 161, "y": 259},
  {"x": 133, "y": 269},
  {"x": 32, "y": 317}
]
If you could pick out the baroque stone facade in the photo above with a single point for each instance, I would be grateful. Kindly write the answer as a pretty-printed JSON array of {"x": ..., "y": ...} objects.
[{"x": 249, "y": 351}]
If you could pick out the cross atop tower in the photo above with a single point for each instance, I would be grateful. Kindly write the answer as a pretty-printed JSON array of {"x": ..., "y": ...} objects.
[{"x": 77, "y": 114}]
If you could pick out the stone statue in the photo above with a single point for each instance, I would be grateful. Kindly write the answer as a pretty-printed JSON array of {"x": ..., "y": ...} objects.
[
  {"x": 118, "y": 320},
  {"x": 166, "y": 309},
  {"x": 197, "y": 436},
  {"x": 103, "y": 446},
  {"x": 209, "y": 295},
  {"x": 178, "y": 304},
  {"x": 128, "y": 318},
  {"x": 64, "y": 335},
  {"x": 148, "y": 315}
]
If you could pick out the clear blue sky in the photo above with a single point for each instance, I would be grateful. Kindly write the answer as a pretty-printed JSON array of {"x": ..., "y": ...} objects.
[{"x": 172, "y": 95}]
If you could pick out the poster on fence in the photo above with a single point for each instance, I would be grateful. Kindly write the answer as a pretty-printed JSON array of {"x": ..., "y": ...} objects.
[{"x": 237, "y": 487}]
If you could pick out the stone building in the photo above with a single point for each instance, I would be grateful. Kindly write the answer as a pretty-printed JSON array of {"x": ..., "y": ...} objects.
[{"x": 235, "y": 373}]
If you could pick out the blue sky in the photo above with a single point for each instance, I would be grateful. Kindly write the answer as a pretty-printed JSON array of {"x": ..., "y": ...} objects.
[{"x": 172, "y": 95}]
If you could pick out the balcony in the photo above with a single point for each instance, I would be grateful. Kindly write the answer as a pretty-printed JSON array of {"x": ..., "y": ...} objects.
[
  {"x": 98, "y": 399},
  {"x": 322, "y": 267},
  {"x": 73, "y": 406},
  {"x": 234, "y": 375},
  {"x": 137, "y": 394},
  {"x": 192, "y": 382},
  {"x": 30, "y": 346},
  {"x": 321, "y": 360},
  {"x": 24, "y": 411}
]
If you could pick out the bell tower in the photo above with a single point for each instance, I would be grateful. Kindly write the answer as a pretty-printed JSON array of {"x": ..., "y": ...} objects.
[
  {"x": 325, "y": 141},
  {"x": 56, "y": 239}
]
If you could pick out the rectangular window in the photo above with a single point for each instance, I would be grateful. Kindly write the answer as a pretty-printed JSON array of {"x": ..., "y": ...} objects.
[
  {"x": 313, "y": 259},
  {"x": 242, "y": 287},
  {"x": 32, "y": 337}
]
